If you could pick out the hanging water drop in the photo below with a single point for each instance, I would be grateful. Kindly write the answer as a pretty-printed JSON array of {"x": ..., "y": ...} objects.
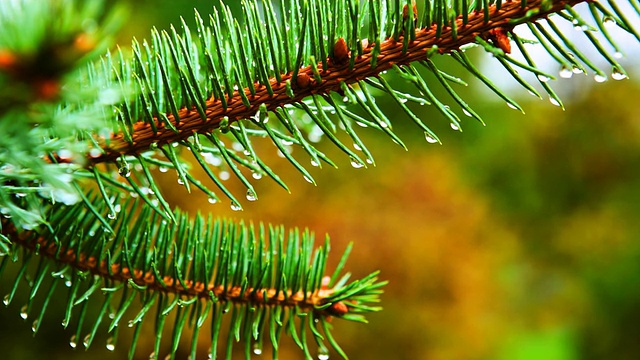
[
  {"x": 152, "y": 355},
  {"x": 323, "y": 356},
  {"x": 235, "y": 206},
  {"x": 72, "y": 342},
  {"x": 212, "y": 200},
  {"x": 23, "y": 312},
  {"x": 308, "y": 179},
  {"x": 111, "y": 344},
  {"x": 6, "y": 300},
  {"x": 600, "y": 78},
  {"x": 67, "y": 283},
  {"x": 251, "y": 195},
  {"x": 565, "y": 72},
  {"x": 357, "y": 147},
  {"x": 111, "y": 216},
  {"x": 356, "y": 164},
  {"x": 554, "y": 101},
  {"x": 180, "y": 181},
  {"x": 543, "y": 78},
  {"x": 430, "y": 138},
  {"x": 256, "y": 175},
  {"x": 87, "y": 341},
  {"x": 454, "y": 126},
  {"x": 224, "y": 175},
  {"x": 124, "y": 170},
  {"x": 576, "y": 70},
  {"x": 257, "y": 349},
  {"x": 618, "y": 55},
  {"x": 466, "y": 112},
  {"x": 34, "y": 325},
  {"x": 130, "y": 323},
  {"x": 163, "y": 169},
  {"x": 617, "y": 74},
  {"x": 512, "y": 106},
  {"x": 608, "y": 21},
  {"x": 314, "y": 163}
]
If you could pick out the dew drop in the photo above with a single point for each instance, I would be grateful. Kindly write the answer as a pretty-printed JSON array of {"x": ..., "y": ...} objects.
[
  {"x": 512, "y": 106},
  {"x": 357, "y": 147},
  {"x": 6, "y": 300},
  {"x": 257, "y": 350},
  {"x": 34, "y": 325},
  {"x": 256, "y": 175},
  {"x": 361, "y": 124},
  {"x": 600, "y": 78},
  {"x": 565, "y": 72},
  {"x": 152, "y": 355},
  {"x": 235, "y": 206},
  {"x": 212, "y": 200},
  {"x": 168, "y": 357},
  {"x": 554, "y": 101},
  {"x": 308, "y": 179},
  {"x": 454, "y": 126},
  {"x": 87, "y": 341},
  {"x": 224, "y": 175},
  {"x": 430, "y": 139},
  {"x": 543, "y": 78},
  {"x": 110, "y": 344},
  {"x": 72, "y": 342},
  {"x": 356, "y": 164},
  {"x": 251, "y": 195},
  {"x": 130, "y": 323},
  {"x": 64, "y": 323},
  {"x": 617, "y": 74},
  {"x": 608, "y": 21},
  {"x": 124, "y": 170},
  {"x": 466, "y": 112},
  {"x": 345, "y": 99},
  {"x": 180, "y": 181},
  {"x": 95, "y": 152},
  {"x": 617, "y": 55},
  {"x": 576, "y": 70},
  {"x": 314, "y": 163},
  {"x": 111, "y": 216},
  {"x": 323, "y": 356},
  {"x": 23, "y": 312},
  {"x": 68, "y": 283}
]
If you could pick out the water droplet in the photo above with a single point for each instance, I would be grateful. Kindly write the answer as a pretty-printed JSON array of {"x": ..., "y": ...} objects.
[
  {"x": 87, "y": 341},
  {"x": 23, "y": 312},
  {"x": 466, "y": 112},
  {"x": 72, "y": 342},
  {"x": 130, "y": 323},
  {"x": 512, "y": 106},
  {"x": 576, "y": 70},
  {"x": 565, "y": 72},
  {"x": 180, "y": 181},
  {"x": 618, "y": 55},
  {"x": 256, "y": 175},
  {"x": 554, "y": 101},
  {"x": 422, "y": 103},
  {"x": 323, "y": 356},
  {"x": 251, "y": 195},
  {"x": 345, "y": 99},
  {"x": 6, "y": 300},
  {"x": 357, "y": 147},
  {"x": 430, "y": 139},
  {"x": 600, "y": 78},
  {"x": 361, "y": 124},
  {"x": 579, "y": 28},
  {"x": 608, "y": 21},
  {"x": 34, "y": 325},
  {"x": 163, "y": 169},
  {"x": 256, "y": 349},
  {"x": 64, "y": 323},
  {"x": 454, "y": 126},
  {"x": 124, "y": 170},
  {"x": 356, "y": 163},
  {"x": 212, "y": 200},
  {"x": 224, "y": 175},
  {"x": 110, "y": 344},
  {"x": 543, "y": 78},
  {"x": 308, "y": 179},
  {"x": 152, "y": 355},
  {"x": 235, "y": 206},
  {"x": 168, "y": 357},
  {"x": 617, "y": 74},
  {"x": 67, "y": 283},
  {"x": 95, "y": 152},
  {"x": 111, "y": 216}
]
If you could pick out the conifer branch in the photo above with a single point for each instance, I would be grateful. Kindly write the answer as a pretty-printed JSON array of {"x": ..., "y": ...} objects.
[{"x": 425, "y": 43}]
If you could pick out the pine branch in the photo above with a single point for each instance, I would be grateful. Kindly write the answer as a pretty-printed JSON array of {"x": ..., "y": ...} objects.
[{"x": 425, "y": 42}]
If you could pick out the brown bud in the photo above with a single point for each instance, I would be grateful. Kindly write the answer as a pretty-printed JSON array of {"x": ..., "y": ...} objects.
[
  {"x": 500, "y": 38},
  {"x": 338, "y": 309},
  {"x": 340, "y": 52},
  {"x": 303, "y": 80}
]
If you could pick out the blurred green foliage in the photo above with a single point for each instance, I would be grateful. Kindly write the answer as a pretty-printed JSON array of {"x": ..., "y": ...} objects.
[{"x": 518, "y": 240}]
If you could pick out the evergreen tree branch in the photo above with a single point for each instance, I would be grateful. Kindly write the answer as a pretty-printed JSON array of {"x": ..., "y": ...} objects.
[{"x": 425, "y": 43}]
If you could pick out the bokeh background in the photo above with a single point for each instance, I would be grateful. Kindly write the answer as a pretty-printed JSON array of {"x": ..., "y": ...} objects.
[{"x": 516, "y": 240}]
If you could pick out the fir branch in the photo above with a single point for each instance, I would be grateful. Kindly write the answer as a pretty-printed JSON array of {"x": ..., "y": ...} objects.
[{"x": 274, "y": 93}]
